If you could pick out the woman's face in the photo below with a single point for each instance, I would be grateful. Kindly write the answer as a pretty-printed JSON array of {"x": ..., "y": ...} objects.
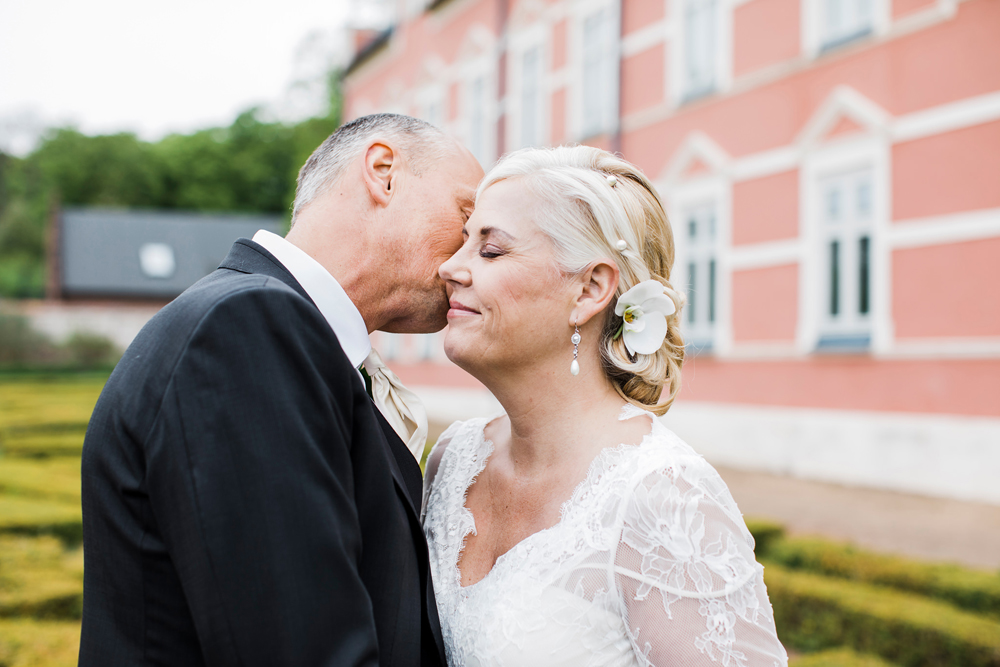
[{"x": 509, "y": 302}]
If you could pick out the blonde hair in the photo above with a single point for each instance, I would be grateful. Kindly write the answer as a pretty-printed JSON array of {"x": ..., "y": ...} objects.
[{"x": 584, "y": 217}]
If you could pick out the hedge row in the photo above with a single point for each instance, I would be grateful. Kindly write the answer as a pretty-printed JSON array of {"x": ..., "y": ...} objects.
[
  {"x": 970, "y": 589},
  {"x": 815, "y": 612},
  {"x": 36, "y": 643},
  {"x": 29, "y": 516},
  {"x": 40, "y": 579},
  {"x": 840, "y": 657},
  {"x": 56, "y": 479}
]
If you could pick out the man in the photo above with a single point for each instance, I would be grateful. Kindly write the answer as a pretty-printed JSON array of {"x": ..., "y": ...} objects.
[{"x": 244, "y": 501}]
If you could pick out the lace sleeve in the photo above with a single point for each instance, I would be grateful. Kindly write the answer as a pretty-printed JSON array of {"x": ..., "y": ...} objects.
[{"x": 690, "y": 589}]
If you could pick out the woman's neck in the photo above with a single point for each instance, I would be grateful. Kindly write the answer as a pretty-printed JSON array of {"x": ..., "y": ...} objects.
[{"x": 554, "y": 416}]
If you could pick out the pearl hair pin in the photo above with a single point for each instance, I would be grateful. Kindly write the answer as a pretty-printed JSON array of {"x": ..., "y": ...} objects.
[
  {"x": 621, "y": 245},
  {"x": 612, "y": 181}
]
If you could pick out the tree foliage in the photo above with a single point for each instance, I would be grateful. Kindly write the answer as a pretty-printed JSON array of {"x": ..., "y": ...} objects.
[{"x": 249, "y": 166}]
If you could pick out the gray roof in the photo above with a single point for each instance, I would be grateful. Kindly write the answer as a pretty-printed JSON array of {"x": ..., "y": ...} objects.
[{"x": 147, "y": 254}]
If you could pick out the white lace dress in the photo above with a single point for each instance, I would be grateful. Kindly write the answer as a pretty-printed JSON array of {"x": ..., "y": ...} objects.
[{"x": 650, "y": 564}]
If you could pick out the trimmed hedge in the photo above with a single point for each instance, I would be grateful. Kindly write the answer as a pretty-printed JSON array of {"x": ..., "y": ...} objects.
[
  {"x": 52, "y": 479},
  {"x": 43, "y": 444},
  {"x": 25, "y": 643},
  {"x": 841, "y": 657},
  {"x": 970, "y": 589},
  {"x": 765, "y": 534},
  {"x": 27, "y": 516},
  {"x": 814, "y": 612},
  {"x": 40, "y": 579}
]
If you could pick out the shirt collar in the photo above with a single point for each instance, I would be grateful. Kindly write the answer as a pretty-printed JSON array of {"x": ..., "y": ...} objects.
[{"x": 331, "y": 299}]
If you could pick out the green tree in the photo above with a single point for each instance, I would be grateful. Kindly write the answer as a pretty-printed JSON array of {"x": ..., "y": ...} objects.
[{"x": 249, "y": 166}]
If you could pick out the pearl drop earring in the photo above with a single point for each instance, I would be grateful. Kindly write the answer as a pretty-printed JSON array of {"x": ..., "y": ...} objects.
[{"x": 574, "y": 368}]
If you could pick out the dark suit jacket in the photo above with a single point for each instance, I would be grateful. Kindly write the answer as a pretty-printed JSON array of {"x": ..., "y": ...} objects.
[{"x": 244, "y": 502}]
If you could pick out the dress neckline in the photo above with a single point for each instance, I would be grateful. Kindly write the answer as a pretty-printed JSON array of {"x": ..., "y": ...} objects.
[{"x": 483, "y": 449}]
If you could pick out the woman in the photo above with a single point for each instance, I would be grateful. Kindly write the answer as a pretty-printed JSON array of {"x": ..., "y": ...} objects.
[{"x": 575, "y": 529}]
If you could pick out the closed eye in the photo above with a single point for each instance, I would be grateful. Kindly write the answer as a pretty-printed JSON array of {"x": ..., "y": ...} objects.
[{"x": 490, "y": 251}]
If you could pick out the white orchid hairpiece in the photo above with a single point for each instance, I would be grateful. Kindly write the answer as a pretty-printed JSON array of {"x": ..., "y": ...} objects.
[{"x": 644, "y": 310}]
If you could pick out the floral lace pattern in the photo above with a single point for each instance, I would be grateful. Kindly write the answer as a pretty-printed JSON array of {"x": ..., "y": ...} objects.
[{"x": 649, "y": 564}]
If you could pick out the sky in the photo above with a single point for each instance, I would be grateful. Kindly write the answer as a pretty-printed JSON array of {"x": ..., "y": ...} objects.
[{"x": 157, "y": 67}]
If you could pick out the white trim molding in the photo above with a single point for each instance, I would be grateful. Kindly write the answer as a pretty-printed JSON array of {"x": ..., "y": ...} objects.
[
  {"x": 948, "y": 456},
  {"x": 952, "y": 228},
  {"x": 766, "y": 255},
  {"x": 947, "y": 117}
]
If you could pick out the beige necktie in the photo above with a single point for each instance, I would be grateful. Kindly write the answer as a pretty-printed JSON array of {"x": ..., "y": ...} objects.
[{"x": 400, "y": 406}]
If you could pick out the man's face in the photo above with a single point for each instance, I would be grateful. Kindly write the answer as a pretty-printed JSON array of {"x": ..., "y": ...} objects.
[{"x": 431, "y": 214}]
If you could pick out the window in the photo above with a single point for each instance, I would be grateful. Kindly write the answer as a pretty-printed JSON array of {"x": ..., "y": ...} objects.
[
  {"x": 477, "y": 119},
  {"x": 846, "y": 213},
  {"x": 600, "y": 73},
  {"x": 700, "y": 272},
  {"x": 844, "y": 20},
  {"x": 531, "y": 97},
  {"x": 433, "y": 113},
  {"x": 700, "y": 47},
  {"x": 430, "y": 102}
]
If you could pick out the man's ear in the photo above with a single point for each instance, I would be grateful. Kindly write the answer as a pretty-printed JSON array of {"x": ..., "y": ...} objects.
[
  {"x": 379, "y": 172},
  {"x": 598, "y": 285}
]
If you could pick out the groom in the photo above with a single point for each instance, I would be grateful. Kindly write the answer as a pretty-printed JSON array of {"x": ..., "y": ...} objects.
[{"x": 244, "y": 501}]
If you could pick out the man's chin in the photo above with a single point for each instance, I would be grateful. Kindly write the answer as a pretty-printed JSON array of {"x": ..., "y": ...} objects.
[{"x": 422, "y": 323}]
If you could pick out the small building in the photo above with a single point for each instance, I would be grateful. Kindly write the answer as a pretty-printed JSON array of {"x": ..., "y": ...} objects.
[{"x": 142, "y": 255}]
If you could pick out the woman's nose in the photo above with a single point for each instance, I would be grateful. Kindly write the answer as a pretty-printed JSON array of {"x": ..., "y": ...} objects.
[{"x": 454, "y": 270}]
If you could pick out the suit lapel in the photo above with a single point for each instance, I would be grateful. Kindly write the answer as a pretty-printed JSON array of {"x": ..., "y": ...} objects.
[{"x": 248, "y": 257}]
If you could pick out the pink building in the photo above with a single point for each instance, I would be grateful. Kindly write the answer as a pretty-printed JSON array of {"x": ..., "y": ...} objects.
[{"x": 832, "y": 172}]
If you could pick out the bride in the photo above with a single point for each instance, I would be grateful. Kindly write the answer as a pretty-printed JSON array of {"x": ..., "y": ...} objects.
[{"x": 575, "y": 529}]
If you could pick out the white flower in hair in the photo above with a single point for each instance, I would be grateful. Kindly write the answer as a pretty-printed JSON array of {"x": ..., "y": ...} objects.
[{"x": 644, "y": 310}]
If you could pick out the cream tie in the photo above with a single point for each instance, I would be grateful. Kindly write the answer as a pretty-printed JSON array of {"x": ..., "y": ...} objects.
[{"x": 400, "y": 406}]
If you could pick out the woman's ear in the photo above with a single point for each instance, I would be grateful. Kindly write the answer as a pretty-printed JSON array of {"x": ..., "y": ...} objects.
[
  {"x": 379, "y": 172},
  {"x": 598, "y": 284}
]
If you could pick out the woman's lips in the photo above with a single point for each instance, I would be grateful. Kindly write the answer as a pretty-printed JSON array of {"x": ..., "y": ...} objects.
[{"x": 459, "y": 309}]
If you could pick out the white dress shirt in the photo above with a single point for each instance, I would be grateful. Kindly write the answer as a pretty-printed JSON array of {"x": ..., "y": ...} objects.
[{"x": 331, "y": 299}]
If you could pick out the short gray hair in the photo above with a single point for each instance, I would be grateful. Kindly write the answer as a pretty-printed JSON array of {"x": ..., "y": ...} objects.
[{"x": 421, "y": 143}]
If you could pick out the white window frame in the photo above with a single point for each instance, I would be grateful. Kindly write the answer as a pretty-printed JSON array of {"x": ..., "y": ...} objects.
[
  {"x": 815, "y": 331},
  {"x": 845, "y": 234},
  {"x": 430, "y": 97},
  {"x": 521, "y": 43},
  {"x": 681, "y": 92},
  {"x": 814, "y": 38},
  {"x": 485, "y": 144},
  {"x": 714, "y": 190},
  {"x": 581, "y": 127}
]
